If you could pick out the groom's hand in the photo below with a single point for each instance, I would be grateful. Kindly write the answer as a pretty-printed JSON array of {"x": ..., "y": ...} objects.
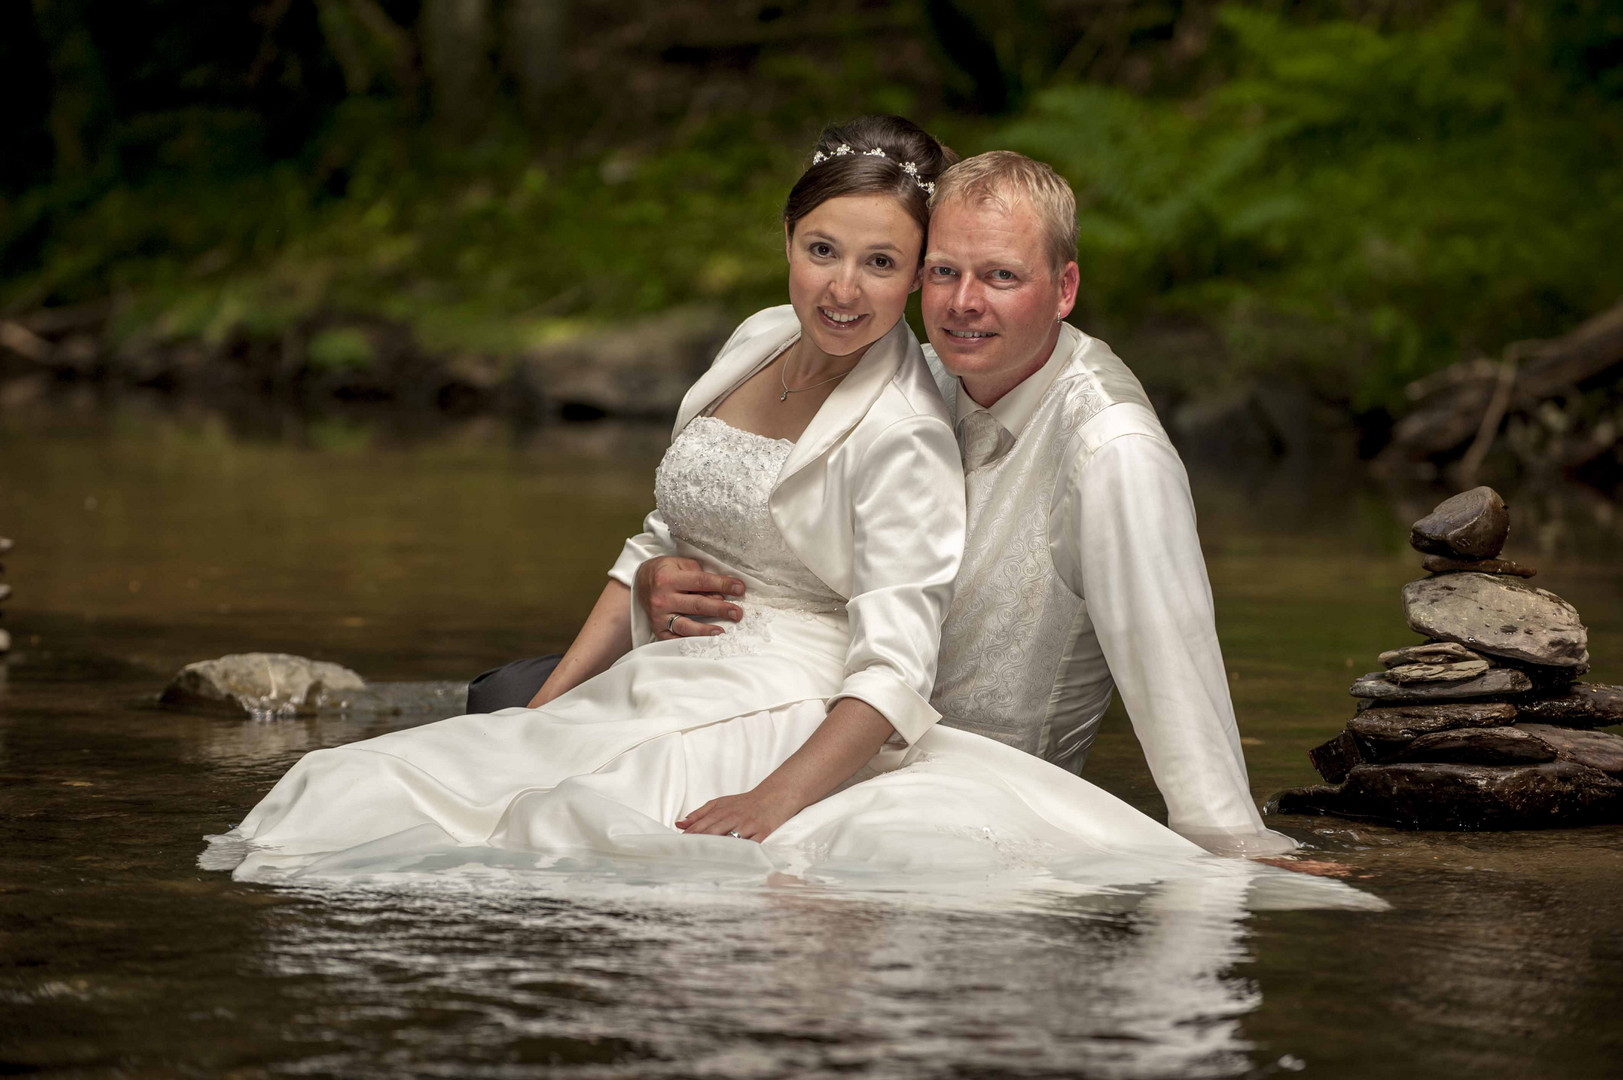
[{"x": 672, "y": 590}]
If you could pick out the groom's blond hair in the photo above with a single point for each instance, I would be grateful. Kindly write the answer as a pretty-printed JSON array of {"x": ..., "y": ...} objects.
[{"x": 1003, "y": 178}]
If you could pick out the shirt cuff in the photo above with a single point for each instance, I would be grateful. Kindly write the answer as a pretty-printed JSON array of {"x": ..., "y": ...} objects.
[
  {"x": 1240, "y": 841},
  {"x": 910, "y": 714}
]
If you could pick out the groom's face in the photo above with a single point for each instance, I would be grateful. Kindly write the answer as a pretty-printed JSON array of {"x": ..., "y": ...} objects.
[{"x": 991, "y": 299}]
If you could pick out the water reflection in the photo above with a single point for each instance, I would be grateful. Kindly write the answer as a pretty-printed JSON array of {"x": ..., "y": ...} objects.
[
  {"x": 775, "y": 984},
  {"x": 256, "y": 745}
]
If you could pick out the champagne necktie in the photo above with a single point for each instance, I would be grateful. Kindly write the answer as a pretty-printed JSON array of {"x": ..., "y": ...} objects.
[{"x": 980, "y": 437}]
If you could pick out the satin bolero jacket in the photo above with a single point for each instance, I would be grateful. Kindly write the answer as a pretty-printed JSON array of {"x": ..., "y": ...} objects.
[{"x": 871, "y": 499}]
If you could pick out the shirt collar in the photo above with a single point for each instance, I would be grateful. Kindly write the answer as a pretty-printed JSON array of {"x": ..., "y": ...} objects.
[{"x": 1015, "y": 409}]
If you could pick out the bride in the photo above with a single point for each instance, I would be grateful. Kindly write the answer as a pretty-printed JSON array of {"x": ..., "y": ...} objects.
[{"x": 815, "y": 462}]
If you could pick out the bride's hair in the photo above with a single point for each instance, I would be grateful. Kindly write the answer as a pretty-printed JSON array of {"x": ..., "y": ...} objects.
[{"x": 871, "y": 155}]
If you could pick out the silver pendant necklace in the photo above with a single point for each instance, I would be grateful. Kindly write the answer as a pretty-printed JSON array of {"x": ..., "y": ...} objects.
[{"x": 783, "y": 377}]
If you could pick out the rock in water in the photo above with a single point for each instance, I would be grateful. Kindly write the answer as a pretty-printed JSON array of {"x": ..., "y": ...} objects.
[
  {"x": 1499, "y": 616},
  {"x": 1432, "y": 652},
  {"x": 1598, "y": 749},
  {"x": 262, "y": 684},
  {"x": 1442, "y": 564},
  {"x": 436, "y": 699},
  {"x": 1480, "y": 746},
  {"x": 1494, "y": 682},
  {"x": 1584, "y": 705},
  {"x": 1471, "y": 525},
  {"x": 1406, "y": 674},
  {"x": 1445, "y": 796},
  {"x": 1385, "y": 729},
  {"x": 1336, "y": 758}
]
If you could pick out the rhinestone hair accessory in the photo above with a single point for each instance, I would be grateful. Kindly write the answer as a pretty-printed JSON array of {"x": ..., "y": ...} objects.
[{"x": 908, "y": 167}]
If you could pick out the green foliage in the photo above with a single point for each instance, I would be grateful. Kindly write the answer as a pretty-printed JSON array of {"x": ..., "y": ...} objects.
[
  {"x": 1352, "y": 204},
  {"x": 1360, "y": 207},
  {"x": 481, "y": 247},
  {"x": 341, "y": 349}
]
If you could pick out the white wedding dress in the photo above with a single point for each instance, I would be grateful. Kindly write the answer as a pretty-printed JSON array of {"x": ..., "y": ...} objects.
[{"x": 603, "y": 772}]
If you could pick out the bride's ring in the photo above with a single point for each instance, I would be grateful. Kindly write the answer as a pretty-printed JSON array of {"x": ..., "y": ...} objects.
[
  {"x": 670, "y": 624},
  {"x": 734, "y": 834}
]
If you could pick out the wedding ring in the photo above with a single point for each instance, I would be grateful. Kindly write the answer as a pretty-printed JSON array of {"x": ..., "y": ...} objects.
[
  {"x": 670, "y": 624},
  {"x": 734, "y": 834}
]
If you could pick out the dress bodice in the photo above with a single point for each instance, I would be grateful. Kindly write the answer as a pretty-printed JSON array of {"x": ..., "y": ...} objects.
[{"x": 713, "y": 488}]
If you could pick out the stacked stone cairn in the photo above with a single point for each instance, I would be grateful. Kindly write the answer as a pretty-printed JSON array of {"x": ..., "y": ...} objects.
[
  {"x": 1485, "y": 724},
  {"x": 5, "y": 591}
]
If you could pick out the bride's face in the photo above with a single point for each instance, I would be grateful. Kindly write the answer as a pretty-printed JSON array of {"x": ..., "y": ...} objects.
[{"x": 852, "y": 262}]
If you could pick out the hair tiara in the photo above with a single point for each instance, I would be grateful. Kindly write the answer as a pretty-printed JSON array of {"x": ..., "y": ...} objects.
[{"x": 908, "y": 167}]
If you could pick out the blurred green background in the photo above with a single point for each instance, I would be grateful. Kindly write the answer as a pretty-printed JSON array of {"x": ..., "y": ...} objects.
[{"x": 1347, "y": 193}]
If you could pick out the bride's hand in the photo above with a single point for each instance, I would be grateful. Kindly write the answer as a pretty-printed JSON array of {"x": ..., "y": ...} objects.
[{"x": 754, "y": 815}]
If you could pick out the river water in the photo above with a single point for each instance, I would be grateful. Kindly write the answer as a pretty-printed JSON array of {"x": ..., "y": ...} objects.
[{"x": 148, "y": 539}]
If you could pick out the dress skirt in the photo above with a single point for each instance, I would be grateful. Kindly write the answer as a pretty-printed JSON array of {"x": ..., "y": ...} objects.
[{"x": 604, "y": 772}]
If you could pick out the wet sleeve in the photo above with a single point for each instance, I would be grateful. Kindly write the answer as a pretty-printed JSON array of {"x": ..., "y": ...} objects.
[{"x": 1123, "y": 538}]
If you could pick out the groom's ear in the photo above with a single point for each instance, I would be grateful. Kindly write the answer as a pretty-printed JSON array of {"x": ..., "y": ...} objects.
[{"x": 1070, "y": 279}]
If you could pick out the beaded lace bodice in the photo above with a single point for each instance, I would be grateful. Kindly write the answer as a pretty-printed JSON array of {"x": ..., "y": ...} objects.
[{"x": 712, "y": 489}]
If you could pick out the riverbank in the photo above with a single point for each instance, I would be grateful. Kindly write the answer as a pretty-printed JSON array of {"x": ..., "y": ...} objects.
[
  {"x": 332, "y": 364},
  {"x": 1546, "y": 408},
  {"x": 637, "y": 371}
]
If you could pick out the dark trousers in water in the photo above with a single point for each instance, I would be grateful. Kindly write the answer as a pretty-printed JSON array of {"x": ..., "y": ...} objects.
[{"x": 510, "y": 686}]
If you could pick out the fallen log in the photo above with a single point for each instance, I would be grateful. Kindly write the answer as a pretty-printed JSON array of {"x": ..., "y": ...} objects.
[{"x": 1462, "y": 409}]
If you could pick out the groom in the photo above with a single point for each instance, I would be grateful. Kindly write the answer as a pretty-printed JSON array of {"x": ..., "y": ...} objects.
[{"x": 1082, "y": 570}]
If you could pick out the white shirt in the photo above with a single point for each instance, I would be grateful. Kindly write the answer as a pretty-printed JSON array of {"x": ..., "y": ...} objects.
[{"x": 1082, "y": 572}]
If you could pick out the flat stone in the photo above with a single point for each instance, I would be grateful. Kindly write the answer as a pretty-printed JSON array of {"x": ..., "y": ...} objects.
[
  {"x": 1494, "y": 682},
  {"x": 5, "y": 641},
  {"x": 5, "y": 590},
  {"x": 436, "y": 700},
  {"x": 1442, "y": 564},
  {"x": 1311, "y": 800},
  {"x": 1336, "y": 758},
  {"x": 1547, "y": 681},
  {"x": 260, "y": 684},
  {"x": 1584, "y": 705},
  {"x": 1383, "y": 730},
  {"x": 1598, "y": 749},
  {"x": 1470, "y": 525},
  {"x": 1480, "y": 746},
  {"x": 1432, "y": 652},
  {"x": 1498, "y": 616},
  {"x": 5, "y": 545},
  {"x": 1410, "y": 674},
  {"x": 1450, "y": 796}
]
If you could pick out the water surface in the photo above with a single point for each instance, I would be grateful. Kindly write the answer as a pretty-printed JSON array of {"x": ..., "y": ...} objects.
[{"x": 149, "y": 539}]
